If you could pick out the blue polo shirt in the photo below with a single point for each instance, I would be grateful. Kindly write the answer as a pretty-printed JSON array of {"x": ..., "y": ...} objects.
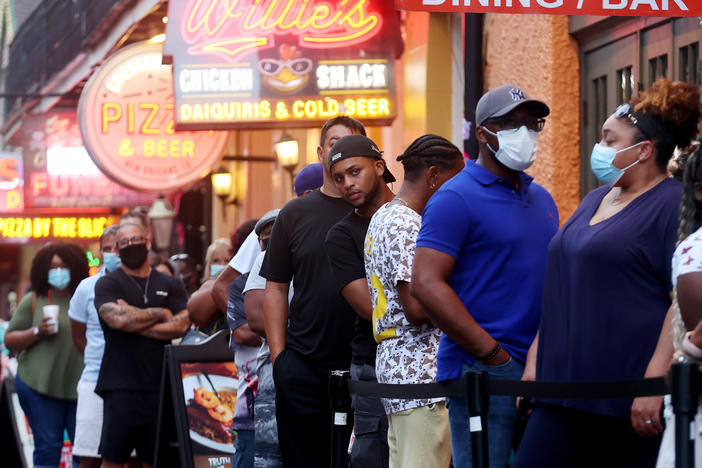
[{"x": 499, "y": 235}]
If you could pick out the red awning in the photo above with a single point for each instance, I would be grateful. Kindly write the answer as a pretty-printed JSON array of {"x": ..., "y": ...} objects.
[{"x": 560, "y": 7}]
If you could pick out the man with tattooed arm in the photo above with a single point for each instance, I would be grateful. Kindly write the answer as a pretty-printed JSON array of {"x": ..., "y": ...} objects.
[{"x": 140, "y": 311}]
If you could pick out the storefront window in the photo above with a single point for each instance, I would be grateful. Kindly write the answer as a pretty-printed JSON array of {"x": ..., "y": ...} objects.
[
  {"x": 690, "y": 62},
  {"x": 657, "y": 68},
  {"x": 625, "y": 81}
]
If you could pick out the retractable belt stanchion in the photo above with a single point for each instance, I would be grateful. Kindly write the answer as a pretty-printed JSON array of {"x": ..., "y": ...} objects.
[
  {"x": 477, "y": 401},
  {"x": 684, "y": 378},
  {"x": 477, "y": 389},
  {"x": 341, "y": 407}
]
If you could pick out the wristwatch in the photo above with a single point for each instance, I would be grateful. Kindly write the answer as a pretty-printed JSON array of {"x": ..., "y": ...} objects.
[{"x": 36, "y": 331}]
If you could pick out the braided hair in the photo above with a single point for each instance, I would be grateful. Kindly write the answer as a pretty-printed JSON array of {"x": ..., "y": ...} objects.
[
  {"x": 690, "y": 220},
  {"x": 690, "y": 207},
  {"x": 426, "y": 151}
]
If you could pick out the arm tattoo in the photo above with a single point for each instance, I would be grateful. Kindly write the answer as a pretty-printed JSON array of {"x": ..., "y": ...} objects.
[
  {"x": 174, "y": 327},
  {"x": 128, "y": 318}
]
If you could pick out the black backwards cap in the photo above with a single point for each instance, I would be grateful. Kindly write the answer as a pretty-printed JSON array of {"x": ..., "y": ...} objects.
[{"x": 352, "y": 146}]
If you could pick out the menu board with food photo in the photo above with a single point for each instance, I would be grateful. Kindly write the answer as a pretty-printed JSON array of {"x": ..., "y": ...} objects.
[{"x": 209, "y": 391}]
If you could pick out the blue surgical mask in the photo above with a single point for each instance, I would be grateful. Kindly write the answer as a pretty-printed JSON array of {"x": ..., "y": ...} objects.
[
  {"x": 214, "y": 269},
  {"x": 601, "y": 161},
  {"x": 111, "y": 260},
  {"x": 59, "y": 277}
]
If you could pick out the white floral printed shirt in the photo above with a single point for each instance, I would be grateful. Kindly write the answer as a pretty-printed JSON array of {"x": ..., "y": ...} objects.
[
  {"x": 406, "y": 353},
  {"x": 688, "y": 256}
]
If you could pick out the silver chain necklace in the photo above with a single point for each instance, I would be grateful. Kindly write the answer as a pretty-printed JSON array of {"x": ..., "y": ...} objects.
[{"x": 146, "y": 288}]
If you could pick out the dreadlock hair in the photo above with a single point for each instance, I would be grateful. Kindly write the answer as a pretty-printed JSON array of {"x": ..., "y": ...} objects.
[
  {"x": 670, "y": 111},
  {"x": 352, "y": 124},
  {"x": 426, "y": 151},
  {"x": 72, "y": 256}
]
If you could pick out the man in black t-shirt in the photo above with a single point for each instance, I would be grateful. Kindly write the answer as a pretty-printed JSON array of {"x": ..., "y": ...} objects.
[
  {"x": 360, "y": 174},
  {"x": 140, "y": 311},
  {"x": 318, "y": 337}
]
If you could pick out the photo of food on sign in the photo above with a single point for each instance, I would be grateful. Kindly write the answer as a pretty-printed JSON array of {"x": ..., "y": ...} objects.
[{"x": 209, "y": 390}]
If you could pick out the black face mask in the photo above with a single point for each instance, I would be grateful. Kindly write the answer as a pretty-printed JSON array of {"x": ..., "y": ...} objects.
[
  {"x": 265, "y": 243},
  {"x": 134, "y": 255}
]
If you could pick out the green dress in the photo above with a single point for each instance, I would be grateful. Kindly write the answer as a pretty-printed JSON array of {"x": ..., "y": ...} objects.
[{"x": 52, "y": 366}]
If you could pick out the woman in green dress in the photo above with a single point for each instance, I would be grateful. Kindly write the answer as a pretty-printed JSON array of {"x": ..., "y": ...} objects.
[{"x": 49, "y": 365}]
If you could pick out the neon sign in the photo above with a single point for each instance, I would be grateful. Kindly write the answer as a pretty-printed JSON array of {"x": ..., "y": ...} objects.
[
  {"x": 311, "y": 109},
  {"x": 127, "y": 121},
  {"x": 56, "y": 227},
  {"x": 58, "y": 171},
  {"x": 239, "y": 63},
  {"x": 11, "y": 183},
  {"x": 255, "y": 24}
]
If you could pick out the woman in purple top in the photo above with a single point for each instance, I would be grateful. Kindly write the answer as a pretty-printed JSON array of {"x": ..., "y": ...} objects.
[{"x": 607, "y": 291}]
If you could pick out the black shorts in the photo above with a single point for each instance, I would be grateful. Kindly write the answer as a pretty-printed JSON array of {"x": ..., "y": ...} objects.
[{"x": 129, "y": 422}]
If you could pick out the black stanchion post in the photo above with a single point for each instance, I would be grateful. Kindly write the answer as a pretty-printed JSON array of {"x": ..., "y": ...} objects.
[
  {"x": 341, "y": 407},
  {"x": 478, "y": 401},
  {"x": 685, "y": 395}
]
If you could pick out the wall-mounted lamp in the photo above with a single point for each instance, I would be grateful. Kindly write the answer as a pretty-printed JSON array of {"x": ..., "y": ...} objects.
[
  {"x": 223, "y": 186},
  {"x": 288, "y": 152},
  {"x": 158, "y": 38}
]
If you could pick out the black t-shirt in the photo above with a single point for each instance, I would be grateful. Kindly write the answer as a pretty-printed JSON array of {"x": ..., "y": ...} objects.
[
  {"x": 345, "y": 250},
  {"x": 320, "y": 321},
  {"x": 132, "y": 361}
]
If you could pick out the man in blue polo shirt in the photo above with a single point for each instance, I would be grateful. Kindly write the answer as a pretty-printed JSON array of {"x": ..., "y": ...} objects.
[{"x": 480, "y": 262}]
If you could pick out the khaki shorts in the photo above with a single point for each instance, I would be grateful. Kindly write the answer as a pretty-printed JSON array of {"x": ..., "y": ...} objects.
[{"x": 419, "y": 437}]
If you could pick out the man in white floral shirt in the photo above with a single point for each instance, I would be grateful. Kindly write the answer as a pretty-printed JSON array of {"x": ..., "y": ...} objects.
[{"x": 418, "y": 434}]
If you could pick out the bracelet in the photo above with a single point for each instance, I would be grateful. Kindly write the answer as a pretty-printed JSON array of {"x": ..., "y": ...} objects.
[
  {"x": 496, "y": 350},
  {"x": 690, "y": 349},
  {"x": 36, "y": 331}
]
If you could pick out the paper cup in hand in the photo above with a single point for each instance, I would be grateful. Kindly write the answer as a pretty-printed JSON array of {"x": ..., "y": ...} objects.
[{"x": 52, "y": 311}]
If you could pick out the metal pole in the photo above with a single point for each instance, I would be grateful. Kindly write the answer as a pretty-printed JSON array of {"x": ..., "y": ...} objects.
[
  {"x": 473, "y": 70},
  {"x": 477, "y": 402},
  {"x": 341, "y": 408},
  {"x": 685, "y": 396}
]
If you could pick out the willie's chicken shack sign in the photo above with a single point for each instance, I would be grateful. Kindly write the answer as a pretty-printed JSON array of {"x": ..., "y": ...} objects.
[{"x": 265, "y": 63}]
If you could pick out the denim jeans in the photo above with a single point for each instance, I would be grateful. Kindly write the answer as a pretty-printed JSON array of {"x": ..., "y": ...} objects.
[
  {"x": 244, "y": 447},
  {"x": 267, "y": 451},
  {"x": 48, "y": 417},
  {"x": 370, "y": 425},
  {"x": 501, "y": 418}
]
